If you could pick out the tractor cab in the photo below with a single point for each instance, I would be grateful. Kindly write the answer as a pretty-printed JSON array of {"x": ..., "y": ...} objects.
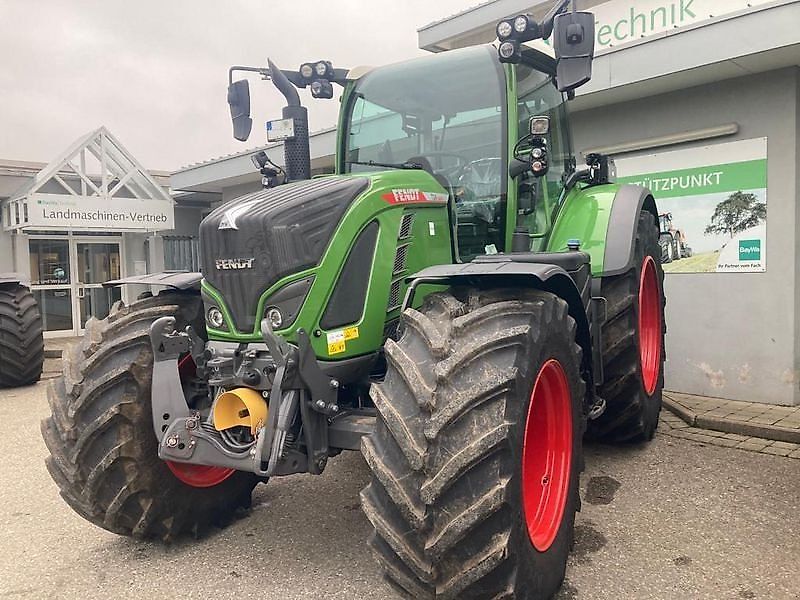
[{"x": 453, "y": 116}]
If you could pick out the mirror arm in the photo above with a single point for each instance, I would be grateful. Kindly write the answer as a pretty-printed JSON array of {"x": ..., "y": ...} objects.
[
  {"x": 549, "y": 19},
  {"x": 260, "y": 70}
]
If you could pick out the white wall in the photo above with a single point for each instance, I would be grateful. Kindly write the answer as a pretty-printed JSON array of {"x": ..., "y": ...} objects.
[{"x": 728, "y": 335}]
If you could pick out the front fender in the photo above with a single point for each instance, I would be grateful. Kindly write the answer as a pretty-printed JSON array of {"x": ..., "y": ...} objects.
[
  {"x": 504, "y": 271},
  {"x": 604, "y": 219}
]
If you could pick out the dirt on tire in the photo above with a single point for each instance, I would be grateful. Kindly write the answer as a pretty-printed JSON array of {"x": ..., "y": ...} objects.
[
  {"x": 445, "y": 493},
  {"x": 631, "y": 413},
  {"x": 21, "y": 342},
  {"x": 103, "y": 451}
]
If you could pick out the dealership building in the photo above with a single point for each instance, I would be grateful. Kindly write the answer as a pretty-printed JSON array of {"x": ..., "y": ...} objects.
[{"x": 697, "y": 99}]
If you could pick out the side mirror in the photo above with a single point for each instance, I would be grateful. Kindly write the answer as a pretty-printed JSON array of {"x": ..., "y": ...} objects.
[
  {"x": 573, "y": 41},
  {"x": 239, "y": 102}
]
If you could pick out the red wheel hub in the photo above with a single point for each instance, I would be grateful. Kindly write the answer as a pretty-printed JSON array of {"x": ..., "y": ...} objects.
[
  {"x": 650, "y": 325},
  {"x": 547, "y": 455},
  {"x": 199, "y": 476}
]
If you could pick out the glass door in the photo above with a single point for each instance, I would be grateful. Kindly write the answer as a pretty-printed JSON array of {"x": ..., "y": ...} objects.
[
  {"x": 96, "y": 262},
  {"x": 51, "y": 283}
]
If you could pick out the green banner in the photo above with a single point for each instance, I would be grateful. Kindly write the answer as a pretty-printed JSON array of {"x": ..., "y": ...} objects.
[{"x": 712, "y": 179}]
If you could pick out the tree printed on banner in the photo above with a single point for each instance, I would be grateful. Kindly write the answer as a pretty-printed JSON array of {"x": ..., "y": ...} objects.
[{"x": 739, "y": 212}]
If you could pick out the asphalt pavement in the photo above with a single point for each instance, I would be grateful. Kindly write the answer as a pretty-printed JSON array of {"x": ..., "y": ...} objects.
[{"x": 671, "y": 520}]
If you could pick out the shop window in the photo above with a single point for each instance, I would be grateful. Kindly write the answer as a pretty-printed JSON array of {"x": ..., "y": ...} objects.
[{"x": 49, "y": 262}]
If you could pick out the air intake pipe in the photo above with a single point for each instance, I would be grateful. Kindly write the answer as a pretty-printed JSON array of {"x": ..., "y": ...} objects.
[{"x": 297, "y": 156}]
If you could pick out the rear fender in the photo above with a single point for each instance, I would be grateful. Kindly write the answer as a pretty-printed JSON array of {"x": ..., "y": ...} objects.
[
  {"x": 604, "y": 219},
  {"x": 14, "y": 279},
  {"x": 547, "y": 277}
]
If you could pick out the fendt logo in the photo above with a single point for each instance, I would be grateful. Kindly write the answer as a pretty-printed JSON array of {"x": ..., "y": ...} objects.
[{"x": 234, "y": 264}]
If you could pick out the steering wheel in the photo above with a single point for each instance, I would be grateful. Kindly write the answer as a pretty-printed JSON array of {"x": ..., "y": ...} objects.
[
  {"x": 482, "y": 177},
  {"x": 461, "y": 161}
]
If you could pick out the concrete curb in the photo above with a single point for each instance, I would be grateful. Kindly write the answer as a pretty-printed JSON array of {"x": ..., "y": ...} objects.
[{"x": 769, "y": 432}]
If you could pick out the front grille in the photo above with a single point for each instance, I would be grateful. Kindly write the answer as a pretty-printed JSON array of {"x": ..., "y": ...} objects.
[{"x": 400, "y": 260}]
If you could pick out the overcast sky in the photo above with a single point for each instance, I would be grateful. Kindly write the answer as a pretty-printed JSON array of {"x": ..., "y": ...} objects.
[{"x": 155, "y": 72}]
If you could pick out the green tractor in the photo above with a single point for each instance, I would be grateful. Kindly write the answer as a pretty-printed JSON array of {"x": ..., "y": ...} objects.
[{"x": 459, "y": 302}]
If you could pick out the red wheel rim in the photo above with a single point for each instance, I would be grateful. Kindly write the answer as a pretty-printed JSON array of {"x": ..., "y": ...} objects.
[
  {"x": 547, "y": 455},
  {"x": 650, "y": 326},
  {"x": 199, "y": 476}
]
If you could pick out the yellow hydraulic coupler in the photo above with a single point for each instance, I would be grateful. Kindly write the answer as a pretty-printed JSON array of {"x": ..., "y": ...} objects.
[{"x": 240, "y": 407}]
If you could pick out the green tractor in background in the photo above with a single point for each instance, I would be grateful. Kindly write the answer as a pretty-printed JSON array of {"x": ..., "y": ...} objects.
[{"x": 458, "y": 301}]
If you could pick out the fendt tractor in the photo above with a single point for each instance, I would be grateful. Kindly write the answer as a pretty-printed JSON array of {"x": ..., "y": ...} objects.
[
  {"x": 458, "y": 301},
  {"x": 21, "y": 339}
]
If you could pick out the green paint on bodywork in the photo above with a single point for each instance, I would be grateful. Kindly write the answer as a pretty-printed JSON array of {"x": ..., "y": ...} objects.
[
  {"x": 584, "y": 215},
  {"x": 429, "y": 244}
]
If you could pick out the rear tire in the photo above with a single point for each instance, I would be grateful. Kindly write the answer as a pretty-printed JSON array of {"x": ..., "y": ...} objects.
[
  {"x": 632, "y": 394},
  {"x": 21, "y": 343},
  {"x": 103, "y": 451},
  {"x": 446, "y": 495}
]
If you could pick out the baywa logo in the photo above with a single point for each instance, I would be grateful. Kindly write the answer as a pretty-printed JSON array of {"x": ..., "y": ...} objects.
[
  {"x": 234, "y": 264},
  {"x": 749, "y": 249}
]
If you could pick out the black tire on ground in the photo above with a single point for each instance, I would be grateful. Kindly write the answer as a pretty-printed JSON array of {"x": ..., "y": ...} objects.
[
  {"x": 676, "y": 250},
  {"x": 21, "y": 343},
  {"x": 445, "y": 493},
  {"x": 667, "y": 249},
  {"x": 103, "y": 452},
  {"x": 631, "y": 413}
]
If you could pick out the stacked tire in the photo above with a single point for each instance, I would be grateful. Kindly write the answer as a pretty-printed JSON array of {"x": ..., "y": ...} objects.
[{"x": 21, "y": 343}]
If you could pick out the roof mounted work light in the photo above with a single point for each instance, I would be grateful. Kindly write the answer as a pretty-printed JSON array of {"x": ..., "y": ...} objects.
[
  {"x": 513, "y": 32},
  {"x": 318, "y": 75}
]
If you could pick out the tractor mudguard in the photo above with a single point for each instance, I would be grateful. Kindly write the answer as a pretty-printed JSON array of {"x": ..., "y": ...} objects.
[
  {"x": 14, "y": 278},
  {"x": 502, "y": 270},
  {"x": 177, "y": 280},
  {"x": 629, "y": 201},
  {"x": 604, "y": 219}
]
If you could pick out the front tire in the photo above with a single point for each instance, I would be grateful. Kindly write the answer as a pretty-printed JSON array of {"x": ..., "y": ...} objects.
[
  {"x": 463, "y": 502},
  {"x": 103, "y": 451},
  {"x": 21, "y": 342}
]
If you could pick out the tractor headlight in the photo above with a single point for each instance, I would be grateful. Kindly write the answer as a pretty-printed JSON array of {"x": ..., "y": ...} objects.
[
  {"x": 321, "y": 88},
  {"x": 321, "y": 68},
  {"x": 215, "y": 317},
  {"x": 504, "y": 29},
  {"x": 521, "y": 24},
  {"x": 307, "y": 70},
  {"x": 274, "y": 317},
  {"x": 507, "y": 50}
]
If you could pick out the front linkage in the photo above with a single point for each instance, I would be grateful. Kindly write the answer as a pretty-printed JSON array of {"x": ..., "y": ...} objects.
[{"x": 277, "y": 370}]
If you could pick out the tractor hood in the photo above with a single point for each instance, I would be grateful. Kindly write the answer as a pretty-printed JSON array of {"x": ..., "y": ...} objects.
[{"x": 250, "y": 243}]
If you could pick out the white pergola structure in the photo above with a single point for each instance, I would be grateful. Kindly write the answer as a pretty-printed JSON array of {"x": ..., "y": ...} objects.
[{"x": 95, "y": 184}]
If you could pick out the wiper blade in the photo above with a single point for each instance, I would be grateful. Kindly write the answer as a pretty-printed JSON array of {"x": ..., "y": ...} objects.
[{"x": 372, "y": 163}]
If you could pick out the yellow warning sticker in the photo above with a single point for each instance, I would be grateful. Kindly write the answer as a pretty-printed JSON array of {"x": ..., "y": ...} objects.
[
  {"x": 336, "y": 342},
  {"x": 351, "y": 333}
]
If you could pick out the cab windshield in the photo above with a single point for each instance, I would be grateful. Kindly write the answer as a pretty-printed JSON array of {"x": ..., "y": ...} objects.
[{"x": 445, "y": 113}]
